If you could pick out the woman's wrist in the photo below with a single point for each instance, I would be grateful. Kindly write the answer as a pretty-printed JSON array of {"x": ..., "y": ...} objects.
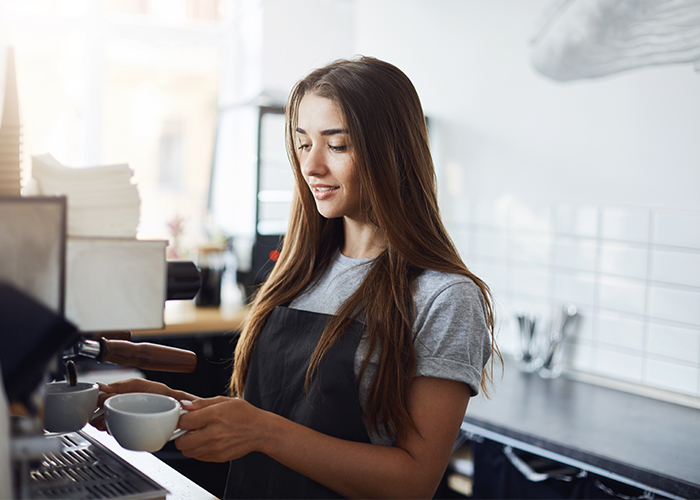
[{"x": 268, "y": 432}]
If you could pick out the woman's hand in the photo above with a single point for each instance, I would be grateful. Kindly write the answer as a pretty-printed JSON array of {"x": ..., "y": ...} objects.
[
  {"x": 134, "y": 385},
  {"x": 220, "y": 429}
]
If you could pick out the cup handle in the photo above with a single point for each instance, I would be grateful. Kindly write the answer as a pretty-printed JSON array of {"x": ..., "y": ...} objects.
[
  {"x": 178, "y": 432},
  {"x": 99, "y": 412}
]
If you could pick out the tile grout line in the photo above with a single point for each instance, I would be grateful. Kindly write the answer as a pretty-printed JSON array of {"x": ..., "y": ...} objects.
[
  {"x": 520, "y": 291},
  {"x": 647, "y": 298}
]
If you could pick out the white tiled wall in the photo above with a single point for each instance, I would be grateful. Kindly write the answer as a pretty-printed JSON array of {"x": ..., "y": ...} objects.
[{"x": 633, "y": 273}]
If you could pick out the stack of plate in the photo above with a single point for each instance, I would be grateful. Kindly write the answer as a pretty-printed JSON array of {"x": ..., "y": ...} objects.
[
  {"x": 102, "y": 201},
  {"x": 10, "y": 134}
]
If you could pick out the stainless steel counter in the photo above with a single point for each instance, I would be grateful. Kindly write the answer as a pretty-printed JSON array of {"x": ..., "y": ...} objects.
[{"x": 179, "y": 487}]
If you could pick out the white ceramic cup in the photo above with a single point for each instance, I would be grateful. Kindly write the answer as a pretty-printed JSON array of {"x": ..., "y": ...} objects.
[
  {"x": 68, "y": 408},
  {"x": 141, "y": 421}
]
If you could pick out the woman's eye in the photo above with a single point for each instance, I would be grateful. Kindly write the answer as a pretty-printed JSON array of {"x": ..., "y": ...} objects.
[
  {"x": 303, "y": 147},
  {"x": 338, "y": 149}
]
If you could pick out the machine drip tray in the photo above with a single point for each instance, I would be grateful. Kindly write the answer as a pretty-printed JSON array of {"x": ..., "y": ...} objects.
[{"x": 85, "y": 469}]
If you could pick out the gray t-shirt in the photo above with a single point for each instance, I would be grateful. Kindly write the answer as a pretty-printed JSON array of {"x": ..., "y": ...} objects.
[{"x": 453, "y": 340}]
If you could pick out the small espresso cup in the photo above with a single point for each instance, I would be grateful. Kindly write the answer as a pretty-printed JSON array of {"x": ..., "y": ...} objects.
[
  {"x": 67, "y": 408},
  {"x": 141, "y": 421}
]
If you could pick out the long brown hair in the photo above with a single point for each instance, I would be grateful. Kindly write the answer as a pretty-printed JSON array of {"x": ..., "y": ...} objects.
[{"x": 389, "y": 137}]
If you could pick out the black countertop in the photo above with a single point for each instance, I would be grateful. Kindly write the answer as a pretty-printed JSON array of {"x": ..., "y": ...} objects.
[{"x": 645, "y": 440}]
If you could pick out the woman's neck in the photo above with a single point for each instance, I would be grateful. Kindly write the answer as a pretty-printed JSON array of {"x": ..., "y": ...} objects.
[{"x": 362, "y": 240}]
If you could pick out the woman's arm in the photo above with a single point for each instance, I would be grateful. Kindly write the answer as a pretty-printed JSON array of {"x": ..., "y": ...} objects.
[{"x": 225, "y": 429}]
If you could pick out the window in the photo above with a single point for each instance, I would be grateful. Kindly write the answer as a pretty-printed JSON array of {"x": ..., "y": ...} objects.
[
  {"x": 124, "y": 81},
  {"x": 170, "y": 155}
]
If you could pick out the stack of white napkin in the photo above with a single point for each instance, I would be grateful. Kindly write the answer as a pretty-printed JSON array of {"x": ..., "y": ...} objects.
[{"x": 102, "y": 201}]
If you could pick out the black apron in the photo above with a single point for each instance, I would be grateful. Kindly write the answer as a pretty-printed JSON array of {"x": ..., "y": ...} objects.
[{"x": 276, "y": 382}]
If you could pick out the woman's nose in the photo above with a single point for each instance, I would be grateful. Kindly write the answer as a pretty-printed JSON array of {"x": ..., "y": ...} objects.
[{"x": 313, "y": 162}]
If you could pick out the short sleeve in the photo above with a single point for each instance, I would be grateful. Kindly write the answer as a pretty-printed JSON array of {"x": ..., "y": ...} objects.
[{"x": 453, "y": 339}]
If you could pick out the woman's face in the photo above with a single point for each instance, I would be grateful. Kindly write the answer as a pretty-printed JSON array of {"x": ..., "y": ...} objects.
[{"x": 327, "y": 159}]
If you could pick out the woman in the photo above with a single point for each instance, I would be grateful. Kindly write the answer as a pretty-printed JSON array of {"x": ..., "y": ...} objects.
[{"x": 355, "y": 366}]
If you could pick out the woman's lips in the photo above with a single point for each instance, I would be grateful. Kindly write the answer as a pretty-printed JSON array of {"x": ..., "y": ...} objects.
[{"x": 323, "y": 192}]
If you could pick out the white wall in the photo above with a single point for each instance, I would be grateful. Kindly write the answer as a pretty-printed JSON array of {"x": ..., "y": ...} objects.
[
  {"x": 302, "y": 35},
  {"x": 277, "y": 42},
  {"x": 630, "y": 139}
]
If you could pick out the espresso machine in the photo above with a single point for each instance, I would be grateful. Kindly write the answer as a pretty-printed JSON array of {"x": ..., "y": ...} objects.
[{"x": 57, "y": 296}]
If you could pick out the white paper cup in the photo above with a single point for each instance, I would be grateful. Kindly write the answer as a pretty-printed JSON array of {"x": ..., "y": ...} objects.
[
  {"x": 141, "y": 421},
  {"x": 68, "y": 408}
]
